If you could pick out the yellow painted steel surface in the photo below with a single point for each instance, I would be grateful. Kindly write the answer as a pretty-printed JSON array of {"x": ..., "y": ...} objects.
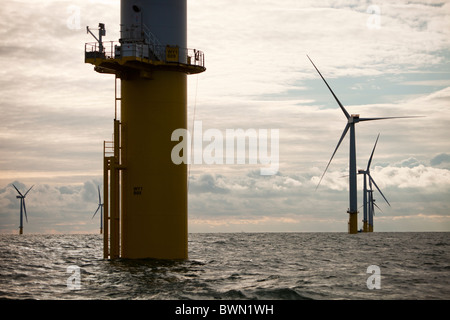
[
  {"x": 353, "y": 223},
  {"x": 154, "y": 189},
  {"x": 365, "y": 226}
]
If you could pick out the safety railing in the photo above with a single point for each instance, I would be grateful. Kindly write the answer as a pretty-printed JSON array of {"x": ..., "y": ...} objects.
[
  {"x": 166, "y": 54},
  {"x": 108, "y": 149}
]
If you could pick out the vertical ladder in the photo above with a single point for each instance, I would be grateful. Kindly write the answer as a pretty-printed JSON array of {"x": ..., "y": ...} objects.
[
  {"x": 117, "y": 99},
  {"x": 112, "y": 200},
  {"x": 112, "y": 165}
]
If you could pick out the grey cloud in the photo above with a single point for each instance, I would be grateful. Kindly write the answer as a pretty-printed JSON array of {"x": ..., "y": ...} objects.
[
  {"x": 207, "y": 183},
  {"x": 441, "y": 161},
  {"x": 410, "y": 163}
]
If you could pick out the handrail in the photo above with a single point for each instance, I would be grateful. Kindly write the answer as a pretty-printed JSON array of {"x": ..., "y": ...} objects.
[
  {"x": 108, "y": 148},
  {"x": 117, "y": 50}
]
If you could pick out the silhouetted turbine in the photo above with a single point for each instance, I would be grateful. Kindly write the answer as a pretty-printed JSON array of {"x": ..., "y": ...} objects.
[
  {"x": 23, "y": 208},
  {"x": 368, "y": 200},
  {"x": 100, "y": 206}
]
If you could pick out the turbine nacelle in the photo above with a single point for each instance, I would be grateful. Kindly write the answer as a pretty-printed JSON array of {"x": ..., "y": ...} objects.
[{"x": 354, "y": 118}]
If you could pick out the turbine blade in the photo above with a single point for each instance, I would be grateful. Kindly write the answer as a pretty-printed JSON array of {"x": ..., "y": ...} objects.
[
  {"x": 384, "y": 118},
  {"x": 339, "y": 143},
  {"x": 28, "y": 191},
  {"x": 337, "y": 100},
  {"x": 17, "y": 190},
  {"x": 370, "y": 178},
  {"x": 377, "y": 207},
  {"x": 95, "y": 212},
  {"x": 370, "y": 159},
  {"x": 24, "y": 209},
  {"x": 99, "y": 199}
]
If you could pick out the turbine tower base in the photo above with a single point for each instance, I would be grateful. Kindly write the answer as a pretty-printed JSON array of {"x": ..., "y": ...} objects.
[
  {"x": 353, "y": 222},
  {"x": 365, "y": 226}
]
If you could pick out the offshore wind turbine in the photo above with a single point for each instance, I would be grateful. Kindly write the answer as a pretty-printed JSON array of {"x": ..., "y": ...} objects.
[
  {"x": 352, "y": 119},
  {"x": 100, "y": 206},
  {"x": 368, "y": 200},
  {"x": 23, "y": 208},
  {"x": 372, "y": 204}
]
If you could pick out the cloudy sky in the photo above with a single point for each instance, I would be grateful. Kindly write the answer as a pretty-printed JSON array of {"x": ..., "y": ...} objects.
[{"x": 382, "y": 58}]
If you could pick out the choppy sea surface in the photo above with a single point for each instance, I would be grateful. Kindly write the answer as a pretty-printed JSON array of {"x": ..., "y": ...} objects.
[{"x": 234, "y": 266}]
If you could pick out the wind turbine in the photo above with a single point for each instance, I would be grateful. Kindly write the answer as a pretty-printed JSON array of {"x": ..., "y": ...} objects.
[
  {"x": 351, "y": 121},
  {"x": 369, "y": 201},
  {"x": 23, "y": 208},
  {"x": 100, "y": 206}
]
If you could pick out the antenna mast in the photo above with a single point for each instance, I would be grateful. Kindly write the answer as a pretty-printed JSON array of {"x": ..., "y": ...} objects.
[{"x": 101, "y": 33}]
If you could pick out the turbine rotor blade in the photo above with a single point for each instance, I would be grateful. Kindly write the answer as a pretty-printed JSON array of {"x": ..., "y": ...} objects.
[
  {"x": 370, "y": 159},
  {"x": 337, "y": 100},
  {"x": 384, "y": 118},
  {"x": 370, "y": 178},
  {"x": 377, "y": 207},
  {"x": 24, "y": 209},
  {"x": 339, "y": 143},
  {"x": 99, "y": 199},
  {"x": 28, "y": 191},
  {"x": 17, "y": 190},
  {"x": 95, "y": 212}
]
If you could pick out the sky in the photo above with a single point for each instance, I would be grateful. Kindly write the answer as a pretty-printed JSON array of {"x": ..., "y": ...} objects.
[{"x": 381, "y": 58}]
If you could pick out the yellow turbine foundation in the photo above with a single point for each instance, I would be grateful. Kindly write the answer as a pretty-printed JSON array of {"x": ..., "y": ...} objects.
[
  {"x": 365, "y": 226},
  {"x": 353, "y": 222},
  {"x": 154, "y": 189}
]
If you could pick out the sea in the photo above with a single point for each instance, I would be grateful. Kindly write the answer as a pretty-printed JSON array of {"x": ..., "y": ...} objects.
[{"x": 232, "y": 267}]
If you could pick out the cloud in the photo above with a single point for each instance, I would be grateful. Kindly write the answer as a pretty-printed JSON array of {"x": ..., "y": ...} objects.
[
  {"x": 410, "y": 163},
  {"x": 206, "y": 183},
  {"x": 414, "y": 177},
  {"x": 280, "y": 41},
  {"x": 441, "y": 161},
  {"x": 57, "y": 111}
]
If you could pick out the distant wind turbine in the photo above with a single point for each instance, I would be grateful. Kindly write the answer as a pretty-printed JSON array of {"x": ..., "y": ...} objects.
[
  {"x": 100, "y": 206},
  {"x": 351, "y": 121},
  {"x": 369, "y": 201},
  {"x": 23, "y": 208},
  {"x": 372, "y": 205}
]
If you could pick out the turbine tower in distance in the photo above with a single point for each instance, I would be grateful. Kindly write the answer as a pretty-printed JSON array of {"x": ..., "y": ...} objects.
[
  {"x": 352, "y": 119},
  {"x": 100, "y": 206},
  {"x": 369, "y": 201},
  {"x": 23, "y": 208}
]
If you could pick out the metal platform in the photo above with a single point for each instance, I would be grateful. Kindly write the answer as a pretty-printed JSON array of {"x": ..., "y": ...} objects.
[{"x": 119, "y": 58}]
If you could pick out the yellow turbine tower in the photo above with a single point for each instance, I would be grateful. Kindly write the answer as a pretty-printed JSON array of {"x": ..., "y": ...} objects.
[{"x": 146, "y": 202}]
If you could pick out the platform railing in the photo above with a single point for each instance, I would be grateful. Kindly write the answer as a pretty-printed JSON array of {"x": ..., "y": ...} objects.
[{"x": 166, "y": 54}]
